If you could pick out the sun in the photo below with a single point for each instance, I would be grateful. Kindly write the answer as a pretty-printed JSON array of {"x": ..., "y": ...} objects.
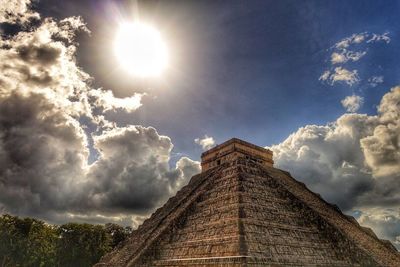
[{"x": 140, "y": 49}]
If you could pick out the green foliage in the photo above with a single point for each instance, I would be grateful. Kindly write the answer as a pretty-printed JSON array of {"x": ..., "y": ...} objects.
[
  {"x": 117, "y": 233},
  {"x": 26, "y": 242},
  {"x": 81, "y": 244},
  {"x": 31, "y": 242}
]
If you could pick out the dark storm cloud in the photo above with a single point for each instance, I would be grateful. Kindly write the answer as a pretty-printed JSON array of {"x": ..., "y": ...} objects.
[
  {"x": 43, "y": 54},
  {"x": 132, "y": 172},
  {"x": 44, "y": 145},
  {"x": 41, "y": 150}
]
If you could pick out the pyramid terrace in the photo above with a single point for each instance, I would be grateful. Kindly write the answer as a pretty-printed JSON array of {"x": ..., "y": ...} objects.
[
  {"x": 232, "y": 150},
  {"x": 241, "y": 211}
]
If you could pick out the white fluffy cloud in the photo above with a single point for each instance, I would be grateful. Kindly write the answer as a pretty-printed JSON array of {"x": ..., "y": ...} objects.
[
  {"x": 345, "y": 56},
  {"x": 352, "y": 103},
  {"x": 385, "y": 222},
  {"x": 344, "y": 51},
  {"x": 16, "y": 11},
  {"x": 356, "y": 146},
  {"x": 329, "y": 158},
  {"x": 47, "y": 111},
  {"x": 107, "y": 100},
  {"x": 382, "y": 148},
  {"x": 353, "y": 162},
  {"x": 358, "y": 38},
  {"x": 340, "y": 74},
  {"x": 187, "y": 169},
  {"x": 206, "y": 142}
]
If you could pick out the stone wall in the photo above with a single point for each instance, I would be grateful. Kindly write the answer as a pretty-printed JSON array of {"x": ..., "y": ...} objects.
[
  {"x": 232, "y": 150},
  {"x": 242, "y": 213},
  {"x": 245, "y": 217}
]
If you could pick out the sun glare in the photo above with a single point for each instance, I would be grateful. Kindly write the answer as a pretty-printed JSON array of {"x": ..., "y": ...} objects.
[{"x": 140, "y": 49}]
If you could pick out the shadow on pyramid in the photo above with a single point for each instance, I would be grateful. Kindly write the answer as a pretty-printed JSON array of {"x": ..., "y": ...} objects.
[{"x": 241, "y": 211}]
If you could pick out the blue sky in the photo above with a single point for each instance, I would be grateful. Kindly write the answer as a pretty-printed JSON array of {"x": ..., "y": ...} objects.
[
  {"x": 316, "y": 81},
  {"x": 247, "y": 69}
]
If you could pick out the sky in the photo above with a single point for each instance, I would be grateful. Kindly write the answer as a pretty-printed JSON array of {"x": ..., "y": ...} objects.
[{"x": 82, "y": 139}]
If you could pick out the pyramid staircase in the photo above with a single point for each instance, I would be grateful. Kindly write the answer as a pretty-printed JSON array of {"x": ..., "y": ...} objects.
[{"x": 245, "y": 213}]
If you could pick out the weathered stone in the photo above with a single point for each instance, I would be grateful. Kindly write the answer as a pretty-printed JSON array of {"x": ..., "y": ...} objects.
[
  {"x": 234, "y": 149},
  {"x": 240, "y": 211}
]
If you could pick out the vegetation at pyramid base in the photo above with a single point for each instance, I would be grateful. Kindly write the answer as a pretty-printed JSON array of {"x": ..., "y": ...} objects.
[{"x": 31, "y": 242}]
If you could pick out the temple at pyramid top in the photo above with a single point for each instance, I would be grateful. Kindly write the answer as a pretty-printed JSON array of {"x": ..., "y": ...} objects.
[
  {"x": 234, "y": 149},
  {"x": 241, "y": 211}
]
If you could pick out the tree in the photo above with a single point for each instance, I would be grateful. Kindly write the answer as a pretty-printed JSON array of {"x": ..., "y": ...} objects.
[
  {"x": 26, "y": 242},
  {"x": 81, "y": 244},
  {"x": 117, "y": 233},
  {"x": 29, "y": 242}
]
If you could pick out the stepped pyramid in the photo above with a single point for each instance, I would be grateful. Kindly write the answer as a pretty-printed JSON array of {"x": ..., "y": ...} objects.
[{"x": 241, "y": 211}]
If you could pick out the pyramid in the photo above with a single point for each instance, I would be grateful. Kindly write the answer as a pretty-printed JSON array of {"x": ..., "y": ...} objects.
[{"x": 241, "y": 211}]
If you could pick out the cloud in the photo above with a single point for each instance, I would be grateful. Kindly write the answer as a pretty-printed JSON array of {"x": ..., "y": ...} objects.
[
  {"x": 340, "y": 74},
  {"x": 107, "y": 100},
  {"x": 50, "y": 120},
  {"x": 353, "y": 162},
  {"x": 338, "y": 58},
  {"x": 329, "y": 158},
  {"x": 43, "y": 147},
  {"x": 345, "y": 56},
  {"x": 382, "y": 148},
  {"x": 42, "y": 153},
  {"x": 188, "y": 168},
  {"x": 34, "y": 62},
  {"x": 375, "y": 80},
  {"x": 355, "y": 148},
  {"x": 345, "y": 51},
  {"x": 95, "y": 218},
  {"x": 16, "y": 12},
  {"x": 325, "y": 76},
  {"x": 352, "y": 103},
  {"x": 132, "y": 172},
  {"x": 358, "y": 38},
  {"x": 343, "y": 75},
  {"x": 379, "y": 37},
  {"x": 206, "y": 142},
  {"x": 385, "y": 222},
  {"x": 355, "y": 38}
]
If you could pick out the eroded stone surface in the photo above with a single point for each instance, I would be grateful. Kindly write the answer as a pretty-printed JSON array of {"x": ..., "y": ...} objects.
[
  {"x": 245, "y": 213},
  {"x": 234, "y": 149}
]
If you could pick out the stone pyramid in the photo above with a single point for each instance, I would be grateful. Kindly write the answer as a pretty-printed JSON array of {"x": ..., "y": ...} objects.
[{"x": 240, "y": 211}]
